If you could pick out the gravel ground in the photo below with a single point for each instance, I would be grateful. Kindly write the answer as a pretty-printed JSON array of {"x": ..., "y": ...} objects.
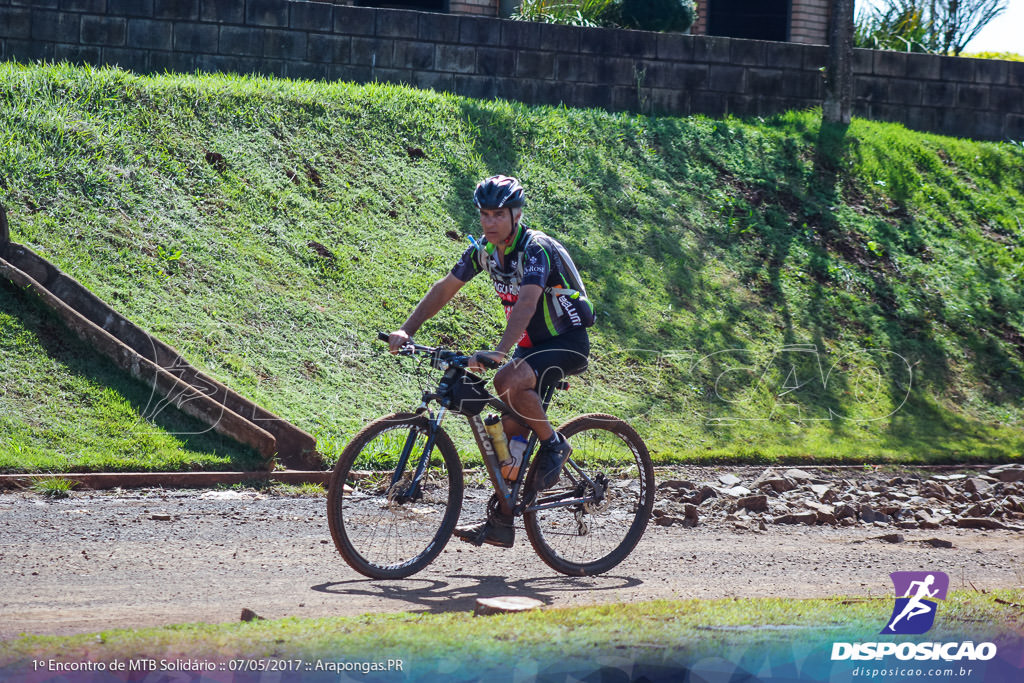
[{"x": 100, "y": 560}]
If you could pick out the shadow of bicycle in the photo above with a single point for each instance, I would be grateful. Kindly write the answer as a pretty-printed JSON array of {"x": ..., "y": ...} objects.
[{"x": 441, "y": 596}]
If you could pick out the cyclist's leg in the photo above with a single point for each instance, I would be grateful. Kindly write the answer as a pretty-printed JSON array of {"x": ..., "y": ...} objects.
[
  {"x": 522, "y": 382},
  {"x": 516, "y": 384},
  {"x": 519, "y": 384},
  {"x": 550, "y": 363}
]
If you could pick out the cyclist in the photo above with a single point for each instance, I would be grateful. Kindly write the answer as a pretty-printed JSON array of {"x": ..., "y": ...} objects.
[{"x": 547, "y": 313}]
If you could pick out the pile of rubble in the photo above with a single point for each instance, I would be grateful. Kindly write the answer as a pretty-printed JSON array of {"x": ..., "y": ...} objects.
[{"x": 992, "y": 499}]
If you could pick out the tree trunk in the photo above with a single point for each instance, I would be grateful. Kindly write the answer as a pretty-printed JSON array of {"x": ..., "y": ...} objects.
[{"x": 839, "y": 70}]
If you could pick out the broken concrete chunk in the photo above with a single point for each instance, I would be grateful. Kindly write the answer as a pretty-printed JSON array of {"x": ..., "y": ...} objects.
[
  {"x": 737, "y": 491},
  {"x": 820, "y": 507},
  {"x": 764, "y": 476},
  {"x": 892, "y": 538},
  {"x": 678, "y": 484},
  {"x": 780, "y": 485},
  {"x": 797, "y": 475},
  {"x": 729, "y": 480},
  {"x": 976, "y": 485},
  {"x": 979, "y": 523},
  {"x": 845, "y": 512},
  {"x": 756, "y": 503},
  {"x": 869, "y": 515},
  {"x": 823, "y": 492},
  {"x": 827, "y": 518},
  {"x": 798, "y": 518},
  {"x": 1007, "y": 473}
]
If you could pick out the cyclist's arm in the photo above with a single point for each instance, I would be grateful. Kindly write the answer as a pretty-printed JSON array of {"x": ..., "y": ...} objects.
[
  {"x": 519, "y": 317},
  {"x": 440, "y": 293}
]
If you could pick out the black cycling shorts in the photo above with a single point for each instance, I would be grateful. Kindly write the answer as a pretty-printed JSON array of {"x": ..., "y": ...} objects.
[{"x": 557, "y": 358}]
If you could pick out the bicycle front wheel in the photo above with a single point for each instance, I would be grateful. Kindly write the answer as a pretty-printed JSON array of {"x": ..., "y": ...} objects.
[
  {"x": 610, "y": 470},
  {"x": 382, "y": 525}
]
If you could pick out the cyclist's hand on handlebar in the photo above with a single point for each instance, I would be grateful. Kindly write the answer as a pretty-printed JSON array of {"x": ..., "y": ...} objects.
[
  {"x": 398, "y": 339},
  {"x": 489, "y": 360}
]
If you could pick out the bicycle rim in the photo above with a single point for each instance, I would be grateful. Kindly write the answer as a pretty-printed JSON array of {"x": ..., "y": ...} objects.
[
  {"x": 591, "y": 538},
  {"x": 376, "y": 528}
]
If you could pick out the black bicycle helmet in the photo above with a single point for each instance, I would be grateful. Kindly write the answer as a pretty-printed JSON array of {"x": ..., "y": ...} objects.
[{"x": 499, "y": 192}]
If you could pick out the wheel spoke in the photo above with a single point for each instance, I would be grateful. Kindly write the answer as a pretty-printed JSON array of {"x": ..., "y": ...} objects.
[
  {"x": 380, "y": 529},
  {"x": 596, "y": 535}
]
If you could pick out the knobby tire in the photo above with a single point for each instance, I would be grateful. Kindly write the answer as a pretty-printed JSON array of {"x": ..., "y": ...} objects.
[
  {"x": 581, "y": 541},
  {"x": 377, "y": 536}
]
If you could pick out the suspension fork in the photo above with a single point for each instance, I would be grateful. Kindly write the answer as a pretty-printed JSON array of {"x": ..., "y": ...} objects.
[{"x": 421, "y": 467}]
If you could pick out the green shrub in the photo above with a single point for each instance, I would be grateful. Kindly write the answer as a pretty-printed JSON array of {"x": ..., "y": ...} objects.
[
  {"x": 1005, "y": 56},
  {"x": 570, "y": 12},
  {"x": 658, "y": 15},
  {"x": 903, "y": 29}
]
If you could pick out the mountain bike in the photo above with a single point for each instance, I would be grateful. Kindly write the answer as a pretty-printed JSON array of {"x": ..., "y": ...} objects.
[{"x": 396, "y": 491}]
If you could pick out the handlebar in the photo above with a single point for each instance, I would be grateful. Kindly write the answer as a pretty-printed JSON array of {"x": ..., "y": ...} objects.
[{"x": 439, "y": 355}]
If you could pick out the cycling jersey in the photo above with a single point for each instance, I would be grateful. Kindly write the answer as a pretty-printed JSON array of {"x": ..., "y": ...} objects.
[{"x": 533, "y": 258}]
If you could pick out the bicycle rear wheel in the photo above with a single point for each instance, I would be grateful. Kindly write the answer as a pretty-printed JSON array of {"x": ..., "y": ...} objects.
[
  {"x": 384, "y": 530},
  {"x": 589, "y": 538}
]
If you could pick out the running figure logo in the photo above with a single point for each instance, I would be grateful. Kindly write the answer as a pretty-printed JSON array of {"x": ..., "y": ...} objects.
[{"x": 916, "y": 595}]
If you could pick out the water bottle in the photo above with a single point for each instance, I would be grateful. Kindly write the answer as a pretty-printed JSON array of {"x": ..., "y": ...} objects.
[
  {"x": 516, "y": 450},
  {"x": 492, "y": 425}
]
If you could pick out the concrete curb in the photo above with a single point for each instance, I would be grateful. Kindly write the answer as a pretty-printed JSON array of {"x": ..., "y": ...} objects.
[{"x": 136, "y": 480}]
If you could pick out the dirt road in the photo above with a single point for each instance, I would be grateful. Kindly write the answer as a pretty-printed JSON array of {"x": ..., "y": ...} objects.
[{"x": 105, "y": 560}]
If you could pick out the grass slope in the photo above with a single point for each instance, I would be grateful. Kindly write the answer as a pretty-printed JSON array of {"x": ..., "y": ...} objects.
[{"x": 765, "y": 290}]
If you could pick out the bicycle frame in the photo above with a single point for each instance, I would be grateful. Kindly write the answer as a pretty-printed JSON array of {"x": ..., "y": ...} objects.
[{"x": 506, "y": 495}]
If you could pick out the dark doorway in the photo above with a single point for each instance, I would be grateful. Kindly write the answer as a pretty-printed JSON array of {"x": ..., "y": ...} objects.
[{"x": 755, "y": 19}]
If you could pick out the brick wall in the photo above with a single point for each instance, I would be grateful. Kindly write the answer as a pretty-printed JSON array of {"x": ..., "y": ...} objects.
[
  {"x": 534, "y": 63},
  {"x": 808, "y": 21},
  {"x": 483, "y": 8},
  {"x": 700, "y": 24}
]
